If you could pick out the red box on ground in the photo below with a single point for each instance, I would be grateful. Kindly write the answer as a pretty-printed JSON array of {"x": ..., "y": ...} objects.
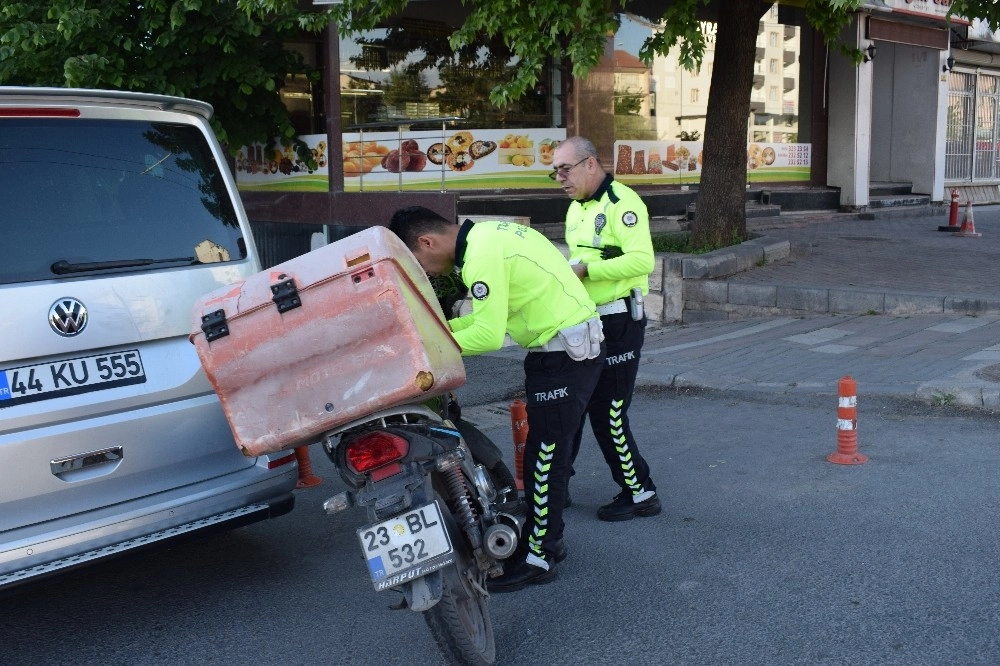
[{"x": 324, "y": 339}]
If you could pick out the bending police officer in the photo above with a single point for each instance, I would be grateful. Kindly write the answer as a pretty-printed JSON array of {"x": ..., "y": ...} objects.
[
  {"x": 521, "y": 285},
  {"x": 611, "y": 251}
]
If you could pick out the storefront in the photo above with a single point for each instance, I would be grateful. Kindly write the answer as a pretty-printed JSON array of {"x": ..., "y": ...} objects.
[
  {"x": 972, "y": 146},
  {"x": 410, "y": 121},
  {"x": 413, "y": 116}
]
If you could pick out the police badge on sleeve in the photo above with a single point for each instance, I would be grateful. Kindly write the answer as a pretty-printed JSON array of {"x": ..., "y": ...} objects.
[
  {"x": 479, "y": 290},
  {"x": 630, "y": 219}
]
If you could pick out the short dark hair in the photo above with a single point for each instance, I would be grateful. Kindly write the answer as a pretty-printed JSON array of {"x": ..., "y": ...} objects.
[{"x": 412, "y": 222}]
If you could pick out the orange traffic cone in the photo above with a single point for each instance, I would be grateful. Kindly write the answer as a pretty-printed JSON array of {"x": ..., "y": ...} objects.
[
  {"x": 847, "y": 425},
  {"x": 519, "y": 426},
  {"x": 306, "y": 477},
  {"x": 968, "y": 224}
]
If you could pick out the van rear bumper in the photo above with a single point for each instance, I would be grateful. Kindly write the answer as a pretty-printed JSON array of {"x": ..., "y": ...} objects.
[{"x": 170, "y": 520}]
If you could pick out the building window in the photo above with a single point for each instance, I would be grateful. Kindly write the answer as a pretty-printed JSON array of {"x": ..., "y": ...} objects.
[
  {"x": 772, "y": 94},
  {"x": 772, "y": 39},
  {"x": 386, "y": 77},
  {"x": 694, "y": 94},
  {"x": 772, "y": 66}
]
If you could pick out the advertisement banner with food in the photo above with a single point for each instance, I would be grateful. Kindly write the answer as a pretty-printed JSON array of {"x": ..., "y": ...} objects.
[
  {"x": 681, "y": 162},
  {"x": 415, "y": 160}
]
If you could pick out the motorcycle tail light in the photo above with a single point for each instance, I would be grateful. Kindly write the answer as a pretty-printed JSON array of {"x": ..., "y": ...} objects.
[{"x": 374, "y": 450}]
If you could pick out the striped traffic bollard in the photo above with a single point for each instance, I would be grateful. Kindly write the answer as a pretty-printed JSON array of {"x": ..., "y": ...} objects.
[
  {"x": 519, "y": 427},
  {"x": 847, "y": 425}
]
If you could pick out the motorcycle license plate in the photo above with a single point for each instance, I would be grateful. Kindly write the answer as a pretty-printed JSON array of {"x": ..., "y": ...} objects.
[{"x": 408, "y": 546}]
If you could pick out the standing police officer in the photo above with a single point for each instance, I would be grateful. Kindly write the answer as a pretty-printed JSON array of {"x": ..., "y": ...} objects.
[
  {"x": 521, "y": 285},
  {"x": 611, "y": 251}
]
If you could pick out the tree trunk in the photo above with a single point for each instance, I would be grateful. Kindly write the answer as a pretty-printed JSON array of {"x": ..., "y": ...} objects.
[{"x": 720, "y": 211}]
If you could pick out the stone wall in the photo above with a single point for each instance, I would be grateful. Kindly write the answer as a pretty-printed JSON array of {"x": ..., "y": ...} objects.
[{"x": 686, "y": 287}]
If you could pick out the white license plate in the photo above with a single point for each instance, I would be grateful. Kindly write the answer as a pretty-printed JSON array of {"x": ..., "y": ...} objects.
[
  {"x": 409, "y": 546},
  {"x": 70, "y": 376}
]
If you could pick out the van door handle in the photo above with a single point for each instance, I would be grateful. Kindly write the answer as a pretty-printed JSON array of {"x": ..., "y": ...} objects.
[{"x": 87, "y": 465}]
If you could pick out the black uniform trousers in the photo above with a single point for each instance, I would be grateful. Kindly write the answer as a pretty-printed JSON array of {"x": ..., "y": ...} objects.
[
  {"x": 558, "y": 390},
  {"x": 608, "y": 409}
]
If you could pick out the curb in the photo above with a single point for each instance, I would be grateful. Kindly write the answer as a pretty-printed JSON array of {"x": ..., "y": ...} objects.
[{"x": 937, "y": 393}]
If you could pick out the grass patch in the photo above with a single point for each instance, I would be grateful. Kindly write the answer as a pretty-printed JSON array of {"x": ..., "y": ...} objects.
[
  {"x": 680, "y": 241},
  {"x": 940, "y": 399}
]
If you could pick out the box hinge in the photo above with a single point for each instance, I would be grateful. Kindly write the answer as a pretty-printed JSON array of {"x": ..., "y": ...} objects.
[
  {"x": 214, "y": 325},
  {"x": 286, "y": 296}
]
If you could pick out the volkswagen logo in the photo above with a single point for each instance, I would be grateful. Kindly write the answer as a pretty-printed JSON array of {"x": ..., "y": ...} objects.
[{"x": 68, "y": 317}]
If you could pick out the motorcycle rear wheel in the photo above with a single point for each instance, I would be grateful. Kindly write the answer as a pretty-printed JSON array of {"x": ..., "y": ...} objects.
[{"x": 460, "y": 622}]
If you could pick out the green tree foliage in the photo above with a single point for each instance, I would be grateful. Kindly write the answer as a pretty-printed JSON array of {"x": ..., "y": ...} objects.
[{"x": 202, "y": 49}]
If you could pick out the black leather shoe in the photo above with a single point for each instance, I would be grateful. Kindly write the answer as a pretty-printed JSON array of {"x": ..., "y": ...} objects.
[
  {"x": 518, "y": 575},
  {"x": 560, "y": 551},
  {"x": 623, "y": 508}
]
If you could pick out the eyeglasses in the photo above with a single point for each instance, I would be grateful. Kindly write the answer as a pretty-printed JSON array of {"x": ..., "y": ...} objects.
[{"x": 564, "y": 170}]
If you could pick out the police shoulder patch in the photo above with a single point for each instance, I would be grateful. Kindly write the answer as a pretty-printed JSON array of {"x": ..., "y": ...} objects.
[
  {"x": 630, "y": 219},
  {"x": 479, "y": 290}
]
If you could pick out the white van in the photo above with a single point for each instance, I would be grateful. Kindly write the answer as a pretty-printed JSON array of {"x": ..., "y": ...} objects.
[{"x": 117, "y": 212}]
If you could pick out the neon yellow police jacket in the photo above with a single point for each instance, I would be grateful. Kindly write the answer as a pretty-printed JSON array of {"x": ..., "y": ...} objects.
[
  {"x": 519, "y": 283},
  {"x": 613, "y": 215}
]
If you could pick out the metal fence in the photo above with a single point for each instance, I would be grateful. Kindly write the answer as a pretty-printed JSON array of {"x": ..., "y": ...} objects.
[{"x": 972, "y": 138}]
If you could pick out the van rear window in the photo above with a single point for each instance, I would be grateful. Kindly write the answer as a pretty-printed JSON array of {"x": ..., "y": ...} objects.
[{"x": 95, "y": 196}]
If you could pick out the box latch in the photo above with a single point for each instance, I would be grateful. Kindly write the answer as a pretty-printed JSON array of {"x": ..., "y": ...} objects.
[
  {"x": 286, "y": 296},
  {"x": 214, "y": 325}
]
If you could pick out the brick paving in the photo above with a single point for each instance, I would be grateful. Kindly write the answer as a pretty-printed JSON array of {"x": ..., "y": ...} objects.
[{"x": 907, "y": 255}]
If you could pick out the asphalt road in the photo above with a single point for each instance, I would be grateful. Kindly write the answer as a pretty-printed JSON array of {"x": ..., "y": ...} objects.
[{"x": 765, "y": 554}]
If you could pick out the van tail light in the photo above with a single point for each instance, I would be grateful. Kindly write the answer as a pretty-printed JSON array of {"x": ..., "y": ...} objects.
[
  {"x": 278, "y": 462},
  {"x": 374, "y": 450}
]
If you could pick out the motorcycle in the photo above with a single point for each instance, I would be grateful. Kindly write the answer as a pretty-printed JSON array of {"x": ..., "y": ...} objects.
[{"x": 443, "y": 513}]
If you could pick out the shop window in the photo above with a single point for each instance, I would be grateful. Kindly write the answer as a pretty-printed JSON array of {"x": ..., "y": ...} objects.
[{"x": 410, "y": 72}]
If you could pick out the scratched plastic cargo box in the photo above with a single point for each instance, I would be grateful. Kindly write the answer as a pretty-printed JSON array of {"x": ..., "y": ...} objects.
[{"x": 323, "y": 339}]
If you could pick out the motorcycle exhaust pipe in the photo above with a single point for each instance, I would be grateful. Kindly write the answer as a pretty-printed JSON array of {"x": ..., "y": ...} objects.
[{"x": 500, "y": 541}]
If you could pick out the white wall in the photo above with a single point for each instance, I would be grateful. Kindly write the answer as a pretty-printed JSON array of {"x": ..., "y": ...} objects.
[{"x": 849, "y": 130}]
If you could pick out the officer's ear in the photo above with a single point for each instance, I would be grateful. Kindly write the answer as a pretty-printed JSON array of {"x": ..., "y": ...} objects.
[{"x": 426, "y": 241}]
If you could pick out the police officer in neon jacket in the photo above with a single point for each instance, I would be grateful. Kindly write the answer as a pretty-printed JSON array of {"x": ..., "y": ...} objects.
[
  {"x": 611, "y": 251},
  {"x": 520, "y": 284}
]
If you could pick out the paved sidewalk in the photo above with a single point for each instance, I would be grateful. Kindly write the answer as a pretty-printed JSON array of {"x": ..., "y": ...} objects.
[
  {"x": 941, "y": 359},
  {"x": 951, "y": 357},
  {"x": 890, "y": 254},
  {"x": 947, "y": 358}
]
